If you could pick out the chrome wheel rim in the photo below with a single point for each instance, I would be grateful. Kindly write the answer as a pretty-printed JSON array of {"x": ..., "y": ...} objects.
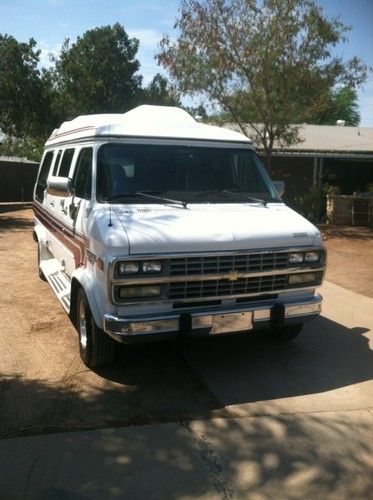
[{"x": 82, "y": 325}]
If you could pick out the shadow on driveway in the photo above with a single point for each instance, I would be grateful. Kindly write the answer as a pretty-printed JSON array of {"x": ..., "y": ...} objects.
[{"x": 168, "y": 383}]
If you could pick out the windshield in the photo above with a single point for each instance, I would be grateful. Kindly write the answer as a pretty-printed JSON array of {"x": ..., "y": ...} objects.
[{"x": 126, "y": 173}]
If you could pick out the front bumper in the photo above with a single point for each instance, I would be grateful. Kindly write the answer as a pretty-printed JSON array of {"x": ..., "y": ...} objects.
[{"x": 211, "y": 322}]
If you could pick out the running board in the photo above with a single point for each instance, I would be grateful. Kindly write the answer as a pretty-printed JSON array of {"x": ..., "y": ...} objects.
[{"x": 58, "y": 280}]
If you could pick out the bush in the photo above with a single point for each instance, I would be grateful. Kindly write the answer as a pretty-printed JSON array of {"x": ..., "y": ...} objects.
[{"x": 313, "y": 203}]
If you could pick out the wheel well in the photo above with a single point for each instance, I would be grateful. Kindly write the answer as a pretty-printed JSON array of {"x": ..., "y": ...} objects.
[{"x": 75, "y": 286}]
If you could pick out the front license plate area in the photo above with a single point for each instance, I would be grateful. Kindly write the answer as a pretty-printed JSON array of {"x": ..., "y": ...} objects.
[{"x": 233, "y": 322}]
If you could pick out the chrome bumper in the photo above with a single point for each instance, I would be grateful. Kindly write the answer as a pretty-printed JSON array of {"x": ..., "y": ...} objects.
[{"x": 211, "y": 322}]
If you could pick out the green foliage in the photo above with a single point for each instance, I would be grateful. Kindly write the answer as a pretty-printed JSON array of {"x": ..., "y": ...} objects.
[
  {"x": 199, "y": 111},
  {"x": 340, "y": 104},
  {"x": 264, "y": 62},
  {"x": 312, "y": 204},
  {"x": 160, "y": 92},
  {"x": 23, "y": 95},
  {"x": 97, "y": 73},
  {"x": 23, "y": 148}
]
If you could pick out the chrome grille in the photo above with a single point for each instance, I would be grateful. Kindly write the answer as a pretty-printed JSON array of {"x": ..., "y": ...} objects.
[
  {"x": 218, "y": 288},
  {"x": 244, "y": 263}
]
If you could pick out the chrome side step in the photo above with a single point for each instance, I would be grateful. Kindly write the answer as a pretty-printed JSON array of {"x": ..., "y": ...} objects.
[{"x": 58, "y": 280}]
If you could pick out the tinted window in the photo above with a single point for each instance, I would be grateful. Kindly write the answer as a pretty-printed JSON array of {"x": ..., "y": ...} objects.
[
  {"x": 43, "y": 175},
  {"x": 57, "y": 162},
  {"x": 192, "y": 174},
  {"x": 82, "y": 179},
  {"x": 66, "y": 163}
]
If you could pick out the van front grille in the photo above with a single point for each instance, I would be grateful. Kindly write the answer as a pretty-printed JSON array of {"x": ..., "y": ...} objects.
[
  {"x": 217, "y": 288},
  {"x": 243, "y": 263}
]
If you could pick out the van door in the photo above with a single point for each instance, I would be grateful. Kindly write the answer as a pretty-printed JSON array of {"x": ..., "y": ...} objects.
[
  {"x": 63, "y": 245},
  {"x": 76, "y": 208}
]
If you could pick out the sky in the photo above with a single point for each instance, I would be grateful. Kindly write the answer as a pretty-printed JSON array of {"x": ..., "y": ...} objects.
[{"x": 50, "y": 22}]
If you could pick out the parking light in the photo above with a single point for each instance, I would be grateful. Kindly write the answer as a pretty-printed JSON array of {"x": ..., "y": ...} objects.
[
  {"x": 301, "y": 278},
  {"x": 139, "y": 292}
]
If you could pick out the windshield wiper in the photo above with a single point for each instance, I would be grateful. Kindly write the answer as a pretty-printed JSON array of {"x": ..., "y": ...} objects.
[
  {"x": 162, "y": 198},
  {"x": 257, "y": 200},
  {"x": 147, "y": 195},
  {"x": 237, "y": 193}
]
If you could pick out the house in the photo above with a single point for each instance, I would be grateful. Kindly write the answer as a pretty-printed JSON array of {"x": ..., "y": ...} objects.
[{"x": 338, "y": 155}]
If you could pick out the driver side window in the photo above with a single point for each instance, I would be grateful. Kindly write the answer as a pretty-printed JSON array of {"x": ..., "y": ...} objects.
[{"x": 82, "y": 179}]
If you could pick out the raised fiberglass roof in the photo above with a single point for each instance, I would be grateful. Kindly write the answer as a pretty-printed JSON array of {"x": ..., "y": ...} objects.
[{"x": 143, "y": 121}]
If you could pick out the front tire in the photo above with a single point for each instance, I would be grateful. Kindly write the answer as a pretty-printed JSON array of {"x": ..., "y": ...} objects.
[
  {"x": 286, "y": 333},
  {"x": 97, "y": 349}
]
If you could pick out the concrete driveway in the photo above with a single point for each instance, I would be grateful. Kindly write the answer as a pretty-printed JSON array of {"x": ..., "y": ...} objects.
[{"x": 238, "y": 417}]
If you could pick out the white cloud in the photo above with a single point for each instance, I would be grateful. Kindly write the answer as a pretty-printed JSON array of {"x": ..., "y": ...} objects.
[
  {"x": 149, "y": 38},
  {"x": 46, "y": 52}
]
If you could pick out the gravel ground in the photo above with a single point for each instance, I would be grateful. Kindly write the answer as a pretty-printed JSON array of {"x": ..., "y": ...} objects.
[
  {"x": 46, "y": 388},
  {"x": 350, "y": 257}
]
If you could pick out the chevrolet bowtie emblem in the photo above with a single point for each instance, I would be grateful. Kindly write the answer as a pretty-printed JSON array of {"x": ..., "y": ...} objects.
[{"x": 232, "y": 276}]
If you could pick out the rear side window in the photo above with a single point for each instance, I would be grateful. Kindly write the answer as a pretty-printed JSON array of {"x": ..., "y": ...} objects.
[
  {"x": 82, "y": 180},
  {"x": 66, "y": 163},
  {"x": 57, "y": 162},
  {"x": 43, "y": 175}
]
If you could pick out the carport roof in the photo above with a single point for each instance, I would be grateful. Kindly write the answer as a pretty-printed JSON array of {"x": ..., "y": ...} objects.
[
  {"x": 326, "y": 139},
  {"x": 16, "y": 159}
]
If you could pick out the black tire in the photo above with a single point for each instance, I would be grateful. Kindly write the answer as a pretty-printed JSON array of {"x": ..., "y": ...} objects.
[
  {"x": 40, "y": 272},
  {"x": 286, "y": 333},
  {"x": 97, "y": 349}
]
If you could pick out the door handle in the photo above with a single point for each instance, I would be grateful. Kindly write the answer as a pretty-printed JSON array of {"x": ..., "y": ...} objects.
[{"x": 51, "y": 203}]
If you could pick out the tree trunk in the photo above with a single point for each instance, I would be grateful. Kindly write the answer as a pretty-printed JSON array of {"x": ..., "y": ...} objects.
[{"x": 268, "y": 158}]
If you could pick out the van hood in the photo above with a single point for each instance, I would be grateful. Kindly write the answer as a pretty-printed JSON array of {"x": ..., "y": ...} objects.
[{"x": 159, "y": 229}]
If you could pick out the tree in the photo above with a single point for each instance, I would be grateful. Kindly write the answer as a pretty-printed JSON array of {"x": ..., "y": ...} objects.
[
  {"x": 24, "y": 99},
  {"x": 97, "y": 73},
  {"x": 341, "y": 104},
  {"x": 264, "y": 62},
  {"x": 22, "y": 147},
  {"x": 160, "y": 92}
]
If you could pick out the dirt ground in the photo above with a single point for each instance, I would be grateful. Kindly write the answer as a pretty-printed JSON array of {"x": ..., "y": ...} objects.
[
  {"x": 44, "y": 385},
  {"x": 350, "y": 257}
]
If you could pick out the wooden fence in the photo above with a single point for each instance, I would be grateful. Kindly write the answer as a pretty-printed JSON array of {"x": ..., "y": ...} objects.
[
  {"x": 17, "y": 179},
  {"x": 350, "y": 210}
]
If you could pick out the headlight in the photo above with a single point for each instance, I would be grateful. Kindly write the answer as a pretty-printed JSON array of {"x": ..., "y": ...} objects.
[
  {"x": 311, "y": 256},
  {"x": 138, "y": 292},
  {"x": 152, "y": 266},
  {"x": 302, "y": 278},
  {"x": 296, "y": 257},
  {"x": 124, "y": 268}
]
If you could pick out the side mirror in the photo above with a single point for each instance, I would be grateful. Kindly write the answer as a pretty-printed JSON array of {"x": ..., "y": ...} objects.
[
  {"x": 59, "y": 186},
  {"x": 280, "y": 187}
]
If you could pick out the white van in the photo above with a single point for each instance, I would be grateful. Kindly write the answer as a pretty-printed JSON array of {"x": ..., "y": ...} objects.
[{"x": 152, "y": 226}]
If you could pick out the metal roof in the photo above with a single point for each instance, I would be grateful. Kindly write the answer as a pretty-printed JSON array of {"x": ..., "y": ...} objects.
[
  {"x": 325, "y": 138},
  {"x": 16, "y": 159}
]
